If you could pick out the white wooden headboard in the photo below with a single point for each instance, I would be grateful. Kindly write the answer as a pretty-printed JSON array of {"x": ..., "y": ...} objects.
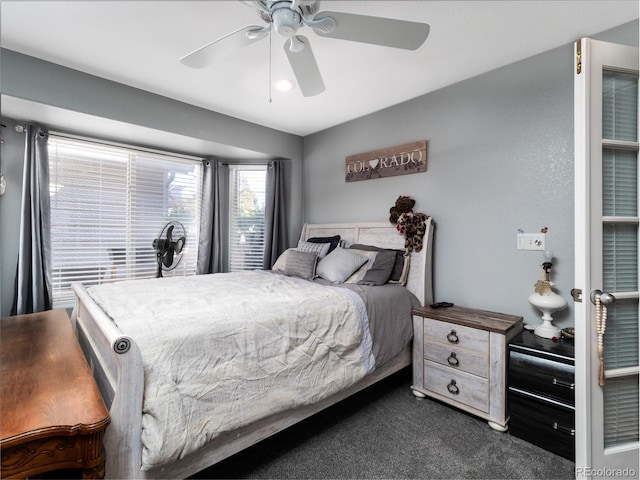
[{"x": 385, "y": 235}]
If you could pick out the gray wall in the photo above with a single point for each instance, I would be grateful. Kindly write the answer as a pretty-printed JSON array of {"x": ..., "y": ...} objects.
[
  {"x": 11, "y": 148},
  {"x": 68, "y": 100},
  {"x": 500, "y": 157}
]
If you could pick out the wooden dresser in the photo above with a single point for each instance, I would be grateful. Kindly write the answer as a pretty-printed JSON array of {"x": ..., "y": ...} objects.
[
  {"x": 460, "y": 357},
  {"x": 52, "y": 414}
]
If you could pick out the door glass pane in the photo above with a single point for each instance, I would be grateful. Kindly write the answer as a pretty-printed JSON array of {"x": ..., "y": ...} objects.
[
  {"x": 620, "y": 106},
  {"x": 619, "y": 182},
  {"x": 620, "y": 258},
  {"x": 620, "y": 254},
  {"x": 621, "y": 334},
  {"x": 621, "y": 412}
]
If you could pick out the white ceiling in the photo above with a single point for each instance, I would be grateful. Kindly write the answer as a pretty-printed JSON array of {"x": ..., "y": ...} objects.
[{"x": 138, "y": 43}]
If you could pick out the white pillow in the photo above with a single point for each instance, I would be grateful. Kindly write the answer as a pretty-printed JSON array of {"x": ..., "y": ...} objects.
[{"x": 339, "y": 265}]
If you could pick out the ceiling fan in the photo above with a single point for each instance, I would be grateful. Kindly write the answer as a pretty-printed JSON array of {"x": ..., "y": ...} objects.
[{"x": 287, "y": 16}]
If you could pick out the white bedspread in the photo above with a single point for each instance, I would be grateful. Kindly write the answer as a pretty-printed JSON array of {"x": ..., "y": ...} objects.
[{"x": 223, "y": 350}]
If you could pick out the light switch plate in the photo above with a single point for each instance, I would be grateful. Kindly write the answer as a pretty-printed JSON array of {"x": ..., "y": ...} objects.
[{"x": 530, "y": 241}]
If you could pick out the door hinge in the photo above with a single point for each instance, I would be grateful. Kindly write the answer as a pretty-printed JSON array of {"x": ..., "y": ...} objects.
[
  {"x": 579, "y": 57},
  {"x": 576, "y": 293}
]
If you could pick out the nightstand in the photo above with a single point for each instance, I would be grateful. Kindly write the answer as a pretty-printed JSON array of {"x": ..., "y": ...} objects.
[
  {"x": 460, "y": 358},
  {"x": 542, "y": 392}
]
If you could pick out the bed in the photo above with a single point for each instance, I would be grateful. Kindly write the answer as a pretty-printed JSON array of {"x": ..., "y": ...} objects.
[{"x": 124, "y": 359}]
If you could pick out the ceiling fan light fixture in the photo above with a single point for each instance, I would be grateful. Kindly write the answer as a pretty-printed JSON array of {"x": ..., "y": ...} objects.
[
  {"x": 286, "y": 22},
  {"x": 285, "y": 85}
]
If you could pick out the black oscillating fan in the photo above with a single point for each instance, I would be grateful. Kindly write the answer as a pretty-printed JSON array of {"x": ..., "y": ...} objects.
[{"x": 169, "y": 245}]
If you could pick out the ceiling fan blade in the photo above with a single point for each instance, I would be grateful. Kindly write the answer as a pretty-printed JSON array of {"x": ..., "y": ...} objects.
[
  {"x": 387, "y": 32},
  {"x": 305, "y": 68},
  {"x": 224, "y": 46}
]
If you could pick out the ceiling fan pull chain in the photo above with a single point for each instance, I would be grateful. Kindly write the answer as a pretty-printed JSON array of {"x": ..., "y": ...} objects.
[{"x": 270, "y": 61}]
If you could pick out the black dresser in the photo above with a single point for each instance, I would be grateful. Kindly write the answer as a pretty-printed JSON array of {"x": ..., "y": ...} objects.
[{"x": 542, "y": 392}]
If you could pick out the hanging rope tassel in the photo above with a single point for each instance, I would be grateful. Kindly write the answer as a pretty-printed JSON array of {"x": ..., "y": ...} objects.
[{"x": 601, "y": 324}]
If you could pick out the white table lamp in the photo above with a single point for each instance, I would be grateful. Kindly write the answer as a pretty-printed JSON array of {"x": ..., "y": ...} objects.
[{"x": 547, "y": 301}]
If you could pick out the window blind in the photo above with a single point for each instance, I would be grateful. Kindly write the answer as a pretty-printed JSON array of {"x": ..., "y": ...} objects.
[
  {"x": 247, "y": 186},
  {"x": 619, "y": 182},
  {"x": 620, "y": 253},
  {"x": 620, "y": 257},
  {"x": 621, "y": 411},
  {"x": 620, "y": 106},
  {"x": 108, "y": 203}
]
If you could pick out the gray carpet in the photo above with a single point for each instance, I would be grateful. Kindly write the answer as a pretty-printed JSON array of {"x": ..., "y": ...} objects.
[{"x": 385, "y": 432}]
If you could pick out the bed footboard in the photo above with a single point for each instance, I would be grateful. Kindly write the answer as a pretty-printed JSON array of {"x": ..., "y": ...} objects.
[{"x": 116, "y": 364}]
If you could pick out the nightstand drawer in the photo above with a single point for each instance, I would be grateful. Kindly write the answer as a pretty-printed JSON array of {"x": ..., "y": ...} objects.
[
  {"x": 540, "y": 375},
  {"x": 457, "y": 358},
  {"x": 548, "y": 424},
  {"x": 458, "y": 335},
  {"x": 457, "y": 386}
]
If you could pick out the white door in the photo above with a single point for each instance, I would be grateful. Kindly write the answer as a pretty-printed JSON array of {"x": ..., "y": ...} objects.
[{"x": 606, "y": 245}]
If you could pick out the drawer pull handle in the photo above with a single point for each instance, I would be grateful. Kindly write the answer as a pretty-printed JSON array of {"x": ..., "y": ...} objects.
[
  {"x": 453, "y": 360},
  {"x": 560, "y": 428},
  {"x": 453, "y": 337},
  {"x": 560, "y": 383},
  {"x": 453, "y": 388}
]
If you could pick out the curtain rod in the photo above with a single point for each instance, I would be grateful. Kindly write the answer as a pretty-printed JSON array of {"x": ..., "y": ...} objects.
[
  {"x": 138, "y": 148},
  {"x": 22, "y": 128},
  {"x": 253, "y": 163}
]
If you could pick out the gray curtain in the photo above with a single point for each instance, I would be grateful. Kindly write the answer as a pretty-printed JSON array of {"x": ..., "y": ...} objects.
[
  {"x": 33, "y": 273},
  {"x": 210, "y": 255},
  {"x": 275, "y": 232}
]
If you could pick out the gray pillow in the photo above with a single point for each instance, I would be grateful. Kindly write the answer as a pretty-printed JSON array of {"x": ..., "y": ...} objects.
[
  {"x": 281, "y": 262},
  {"x": 380, "y": 271},
  {"x": 398, "y": 267},
  {"x": 340, "y": 264},
  {"x": 301, "y": 264},
  {"x": 320, "y": 248}
]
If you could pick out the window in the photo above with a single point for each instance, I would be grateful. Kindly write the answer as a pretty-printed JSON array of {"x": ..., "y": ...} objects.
[
  {"x": 108, "y": 203},
  {"x": 246, "y": 216}
]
